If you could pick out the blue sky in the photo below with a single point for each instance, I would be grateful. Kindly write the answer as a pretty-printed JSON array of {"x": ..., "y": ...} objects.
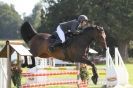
[{"x": 22, "y": 6}]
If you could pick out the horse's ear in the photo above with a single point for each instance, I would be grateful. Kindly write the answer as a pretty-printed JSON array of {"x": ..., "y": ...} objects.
[{"x": 99, "y": 28}]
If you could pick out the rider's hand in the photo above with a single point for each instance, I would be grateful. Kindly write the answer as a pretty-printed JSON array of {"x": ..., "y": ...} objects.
[
  {"x": 69, "y": 30},
  {"x": 76, "y": 32}
]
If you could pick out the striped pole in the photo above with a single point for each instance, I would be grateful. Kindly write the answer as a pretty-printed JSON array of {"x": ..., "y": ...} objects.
[
  {"x": 50, "y": 73},
  {"x": 50, "y": 83}
]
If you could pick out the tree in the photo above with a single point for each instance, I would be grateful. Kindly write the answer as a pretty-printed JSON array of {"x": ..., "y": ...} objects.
[
  {"x": 116, "y": 17},
  {"x": 122, "y": 15},
  {"x": 10, "y": 22},
  {"x": 43, "y": 20},
  {"x": 59, "y": 12},
  {"x": 35, "y": 17}
]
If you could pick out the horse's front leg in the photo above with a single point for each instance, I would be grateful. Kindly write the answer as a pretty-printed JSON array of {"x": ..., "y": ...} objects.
[
  {"x": 88, "y": 62},
  {"x": 94, "y": 70}
]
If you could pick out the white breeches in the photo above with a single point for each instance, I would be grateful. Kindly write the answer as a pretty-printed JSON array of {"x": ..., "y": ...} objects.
[{"x": 60, "y": 34}]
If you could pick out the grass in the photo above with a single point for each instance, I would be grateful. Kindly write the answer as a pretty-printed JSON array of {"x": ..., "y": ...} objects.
[{"x": 130, "y": 72}]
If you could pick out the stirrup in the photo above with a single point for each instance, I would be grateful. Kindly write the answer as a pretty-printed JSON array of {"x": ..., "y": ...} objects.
[{"x": 51, "y": 49}]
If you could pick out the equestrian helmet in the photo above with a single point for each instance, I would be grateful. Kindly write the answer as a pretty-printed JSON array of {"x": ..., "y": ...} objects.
[{"x": 82, "y": 18}]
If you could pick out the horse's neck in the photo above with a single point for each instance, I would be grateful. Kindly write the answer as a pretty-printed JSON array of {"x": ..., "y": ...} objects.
[
  {"x": 77, "y": 47},
  {"x": 82, "y": 40},
  {"x": 79, "y": 44}
]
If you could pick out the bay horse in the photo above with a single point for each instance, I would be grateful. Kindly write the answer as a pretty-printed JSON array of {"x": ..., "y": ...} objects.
[{"x": 74, "y": 52}]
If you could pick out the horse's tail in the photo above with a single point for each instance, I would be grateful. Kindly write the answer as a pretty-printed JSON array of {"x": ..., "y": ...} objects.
[{"x": 27, "y": 31}]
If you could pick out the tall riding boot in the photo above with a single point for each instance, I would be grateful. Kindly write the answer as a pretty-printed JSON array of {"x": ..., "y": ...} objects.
[{"x": 55, "y": 44}]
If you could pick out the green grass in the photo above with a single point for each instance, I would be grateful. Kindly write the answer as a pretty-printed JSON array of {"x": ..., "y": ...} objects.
[{"x": 130, "y": 72}]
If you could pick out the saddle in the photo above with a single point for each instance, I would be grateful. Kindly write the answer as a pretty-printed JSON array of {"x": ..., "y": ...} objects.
[{"x": 54, "y": 37}]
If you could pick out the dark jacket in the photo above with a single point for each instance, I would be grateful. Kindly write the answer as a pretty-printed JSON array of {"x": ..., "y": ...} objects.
[{"x": 70, "y": 25}]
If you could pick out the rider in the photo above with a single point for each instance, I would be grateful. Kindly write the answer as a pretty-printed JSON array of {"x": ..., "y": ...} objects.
[{"x": 70, "y": 26}]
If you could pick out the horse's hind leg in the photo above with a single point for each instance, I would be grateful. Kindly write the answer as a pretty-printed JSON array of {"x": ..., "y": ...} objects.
[{"x": 94, "y": 70}]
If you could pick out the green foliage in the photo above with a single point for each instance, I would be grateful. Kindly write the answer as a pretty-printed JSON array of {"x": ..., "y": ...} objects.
[
  {"x": 10, "y": 22},
  {"x": 16, "y": 75},
  {"x": 84, "y": 74},
  {"x": 64, "y": 10},
  {"x": 42, "y": 25},
  {"x": 35, "y": 17}
]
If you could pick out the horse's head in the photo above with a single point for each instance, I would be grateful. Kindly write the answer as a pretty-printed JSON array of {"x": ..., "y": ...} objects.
[
  {"x": 97, "y": 33},
  {"x": 100, "y": 36}
]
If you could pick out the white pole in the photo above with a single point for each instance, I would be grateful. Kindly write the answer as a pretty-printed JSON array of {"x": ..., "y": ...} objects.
[
  {"x": 8, "y": 65},
  {"x": 116, "y": 57},
  {"x": 107, "y": 58}
]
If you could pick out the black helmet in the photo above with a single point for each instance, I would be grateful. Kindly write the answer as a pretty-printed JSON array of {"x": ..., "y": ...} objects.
[{"x": 82, "y": 18}]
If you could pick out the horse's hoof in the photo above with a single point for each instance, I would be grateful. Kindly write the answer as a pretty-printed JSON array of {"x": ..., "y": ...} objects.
[
  {"x": 94, "y": 79},
  {"x": 23, "y": 65}
]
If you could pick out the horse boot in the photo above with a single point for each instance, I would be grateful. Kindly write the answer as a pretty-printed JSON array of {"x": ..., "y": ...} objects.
[{"x": 55, "y": 44}]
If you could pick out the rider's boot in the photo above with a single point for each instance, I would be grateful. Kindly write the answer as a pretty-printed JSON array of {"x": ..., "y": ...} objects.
[{"x": 55, "y": 44}]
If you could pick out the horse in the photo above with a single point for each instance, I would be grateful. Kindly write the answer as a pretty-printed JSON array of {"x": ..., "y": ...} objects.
[{"x": 74, "y": 52}]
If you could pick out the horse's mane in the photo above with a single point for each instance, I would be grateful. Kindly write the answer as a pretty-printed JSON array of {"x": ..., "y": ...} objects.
[
  {"x": 84, "y": 37},
  {"x": 87, "y": 35},
  {"x": 87, "y": 30},
  {"x": 93, "y": 27}
]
